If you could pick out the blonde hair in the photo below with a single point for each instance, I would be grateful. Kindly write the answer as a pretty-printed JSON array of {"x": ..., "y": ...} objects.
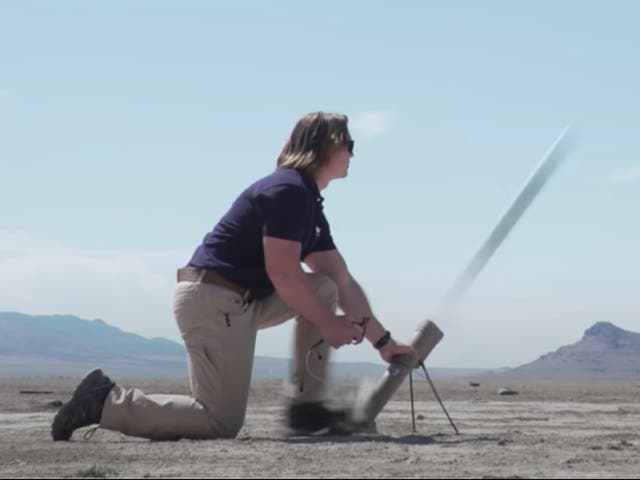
[{"x": 312, "y": 140}]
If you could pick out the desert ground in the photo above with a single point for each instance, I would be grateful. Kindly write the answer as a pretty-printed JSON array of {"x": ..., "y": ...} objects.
[{"x": 551, "y": 429}]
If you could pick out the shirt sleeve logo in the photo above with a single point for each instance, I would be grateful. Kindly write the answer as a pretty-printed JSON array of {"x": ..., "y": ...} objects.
[{"x": 318, "y": 231}]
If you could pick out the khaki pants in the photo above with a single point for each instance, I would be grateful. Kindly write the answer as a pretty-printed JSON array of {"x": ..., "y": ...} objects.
[{"x": 219, "y": 331}]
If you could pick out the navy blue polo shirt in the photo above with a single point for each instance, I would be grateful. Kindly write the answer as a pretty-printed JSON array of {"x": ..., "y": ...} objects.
[{"x": 285, "y": 204}]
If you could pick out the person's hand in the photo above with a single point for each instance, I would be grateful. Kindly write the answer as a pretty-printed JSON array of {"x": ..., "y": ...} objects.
[
  {"x": 393, "y": 349},
  {"x": 342, "y": 331}
]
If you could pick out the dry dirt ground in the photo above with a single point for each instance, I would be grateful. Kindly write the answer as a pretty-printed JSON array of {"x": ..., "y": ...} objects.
[{"x": 550, "y": 430}]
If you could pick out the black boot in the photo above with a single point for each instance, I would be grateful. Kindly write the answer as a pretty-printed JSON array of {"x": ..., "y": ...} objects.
[
  {"x": 85, "y": 406},
  {"x": 308, "y": 418}
]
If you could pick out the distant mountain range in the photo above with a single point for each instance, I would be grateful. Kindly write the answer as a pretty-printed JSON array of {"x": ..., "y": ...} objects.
[
  {"x": 605, "y": 351},
  {"x": 64, "y": 345}
]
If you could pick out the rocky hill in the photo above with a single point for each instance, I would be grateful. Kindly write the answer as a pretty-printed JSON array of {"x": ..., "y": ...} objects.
[{"x": 605, "y": 351}]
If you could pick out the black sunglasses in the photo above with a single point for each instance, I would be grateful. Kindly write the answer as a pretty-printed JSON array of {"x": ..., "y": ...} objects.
[{"x": 350, "y": 146}]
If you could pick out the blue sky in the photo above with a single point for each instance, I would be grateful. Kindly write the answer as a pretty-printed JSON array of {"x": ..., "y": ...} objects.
[{"x": 127, "y": 129}]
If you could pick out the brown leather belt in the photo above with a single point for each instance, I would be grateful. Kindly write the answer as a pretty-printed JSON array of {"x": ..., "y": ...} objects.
[{"x": 192, "y": 274}]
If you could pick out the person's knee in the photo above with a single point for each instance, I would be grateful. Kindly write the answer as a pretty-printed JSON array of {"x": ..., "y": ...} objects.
[
  {"x": 230, "y": 432},
  {"x": 326, "y": 288},
  {"x": 230, "y": 427}
]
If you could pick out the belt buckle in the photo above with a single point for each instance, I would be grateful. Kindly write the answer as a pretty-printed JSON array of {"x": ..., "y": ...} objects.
[{"x": 247, "y": 297}]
